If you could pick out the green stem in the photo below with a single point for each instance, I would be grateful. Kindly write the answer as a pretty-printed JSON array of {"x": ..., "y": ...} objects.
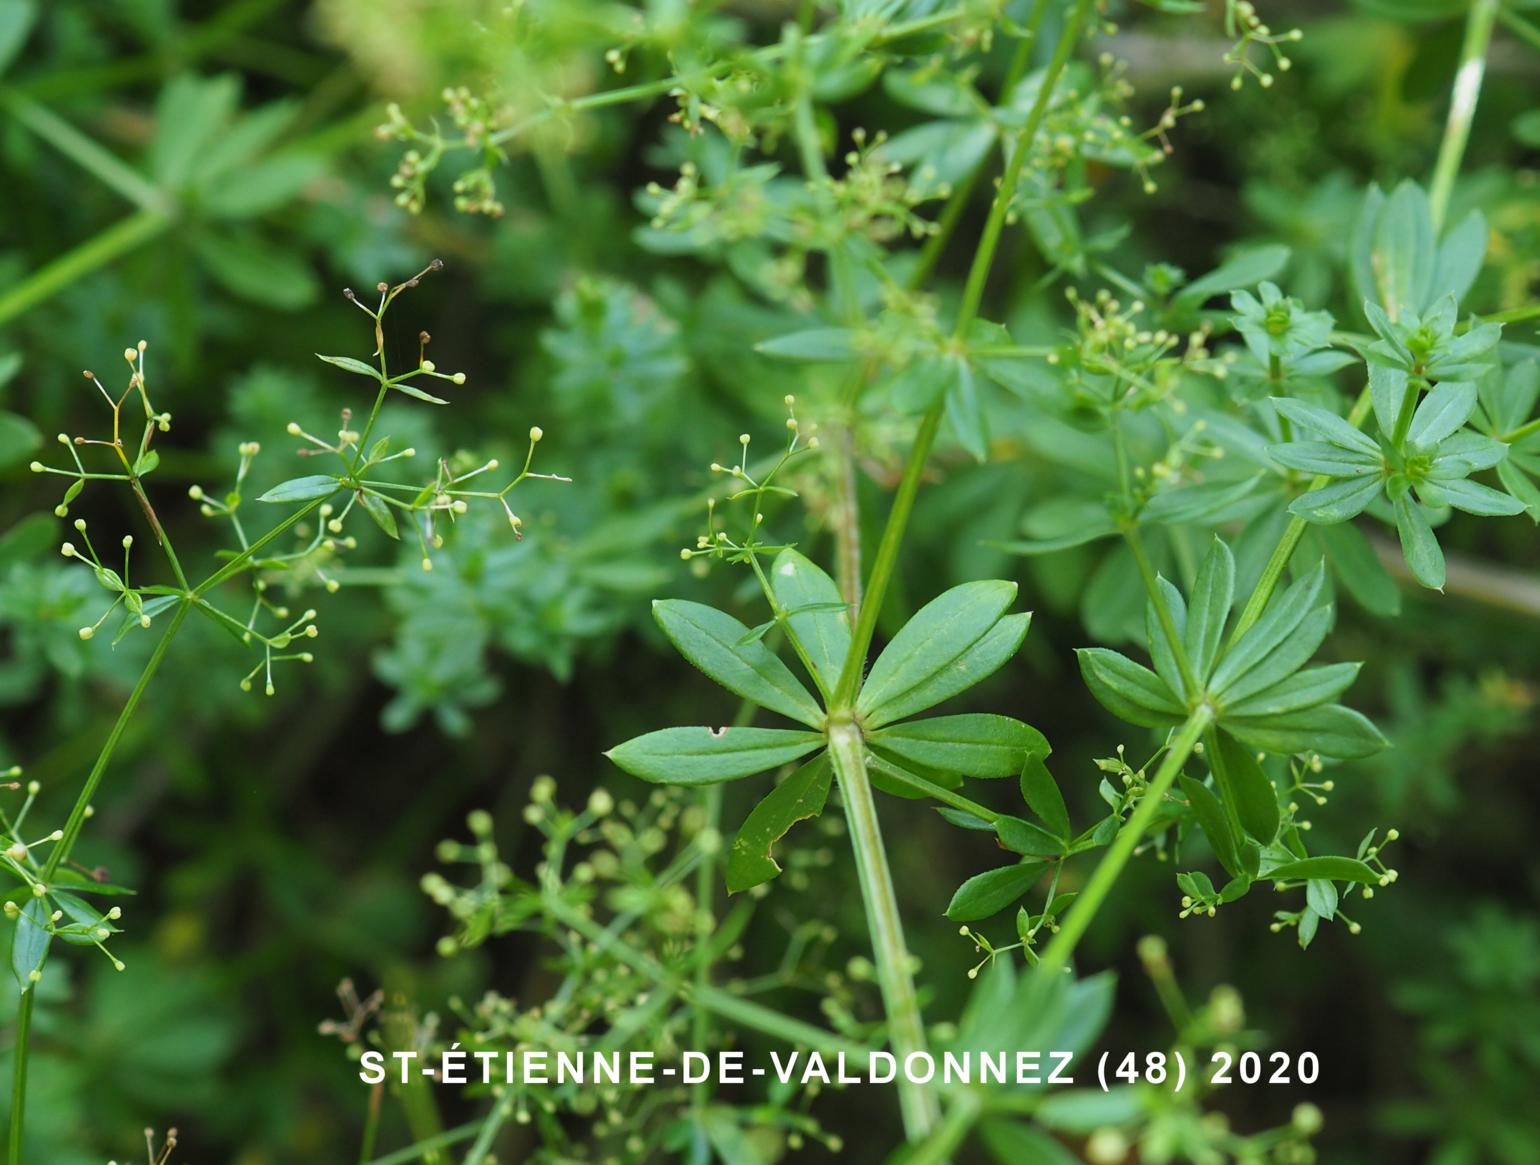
[
  {"x": 61, "y": 851},
  {"x": 973, "y": 293},
  {"x": 1057, "y": 954},
  {"x": 906, "y": 1029},
  {"x": 949, "y": 1135},
  {"x": 19, "y": 1073},
  {"x": 430, "y": 1145},
  {"x": 1462, "y": 105},
  {"x": 112, "y": 243}
]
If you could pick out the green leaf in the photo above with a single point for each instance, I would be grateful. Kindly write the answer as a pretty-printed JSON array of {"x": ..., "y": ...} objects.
[
  {"x": 800, "y": 796},
  {"x": 1018, "y": 1143},
  {"x": 1472, "y": 497},
  {"x": 249, "y": 266},
  {"x": 1041, "y": 793},
  {"x": 1245, "y": 786},
  {"x": 1321, "y": 894},
  {"x": 1359, "y": 569},
  {"x": 1338, "y": 501},
  {"x": 1419, "y": 546},
  {"x": 1162, "y": 654},
  {"x": 1211, "y": 817},
  {"x": 16, "y": 20},
  {"x": 814, "y": 344},
  {"x": 933, "y": 640},
  {"x": 1441, "y": 413},
  {"x": 1328, "y": 426},
  {"x": 1387, "y": 389},
  {"x": 416, "y": 393},
  {"x": 1404, "y": 249},
  {"x": 1128, "y": 691},
  {"x": 1022, "y": 837},
  {"x": 980, "y": 661},
  {"x": 965, "y": 409},
  {"x": 1329, "y": 729},
  {"x": 992, "y": 891},
  {"x": 29, "y": 946},
  {"x": 379, "y": 509},
  {"x": 19, "y": 438},
  {"x": 348, "y": 364},
  {"x": 1524, "y": 490},
  {"x": 1244, "y": 270},
  {"x": 1305, "y": 689},
  {"x": 1284, "y": 660},
  {"x": 1334, "y": 868},
  {"x": 716, "y": 643},
  {"x": 1322, "y": 457},
  {"x": 707, "y": 756},
  {"x": 1283, "y": 615},
  {"x": 817, "y": 614},
  {"x": 1460, "y": 254},
  {"x": 303, "y": 489},
  {"x": 974, "y": 744},
  {"x": 1212, "y": 593}
]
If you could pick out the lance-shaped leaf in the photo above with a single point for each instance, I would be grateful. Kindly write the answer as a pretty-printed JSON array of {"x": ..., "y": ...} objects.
[
  {"x": 1328, "y": 426},
  {"x": 707, "y": 756},
  {"x": 980, "y": 661},
  {"x": 1419, "y": 545},
  {"x": 1211, "y": 818},
  {"x": 302, "y": 489},
  {"x": 975, "y": 744},
  {"x": 1246, "y": 787},
  {"x": 1022, "y": 837},
  {"x": 1338, "y": 501},
  {"x": 1212, "y": 593},
  {"x": 814, "y": 344},
  {"x": 1162, "y": 652},
  {"x": 348, "y": 364},
  {"x": 1323, "y": 457},
  {"x": 721, "y": 647},
  {"x": 1441, "y": 413},
  {"x": 797, "y": 798},
  {"x": 1041, "y": 792},
  {"x": 1282, "y": 617},
  {"x": 992, "y": 891},
  {"x": 29, "y": 946},
  {"x": 1329, "y": 729},
  {"x": 1128, "y": 691},
  {"x": 1303, "y": 689},
  {"x": 1283, "y": 661},
  {"x": 1470, "y": 496},
  {"x": 1335, "y": 868},
  {"x": 936, "y": 638},
  {"x": 817, "y": 614}
]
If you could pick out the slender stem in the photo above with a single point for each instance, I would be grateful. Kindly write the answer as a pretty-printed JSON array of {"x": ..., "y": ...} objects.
[
  {"x": 19, "y": 1073},
  {"x": 112, "y": 243},
  {"x": 77, "y": 817},
  {"x": 961, "y": 1116},
  {"x": 61, "y": 851},
  {"x": 1462, "y": 105},
  {"x": 1057, "y": 954},
  {"x": 906, "y": 1029},
  {"x": 925, "y": 437}
]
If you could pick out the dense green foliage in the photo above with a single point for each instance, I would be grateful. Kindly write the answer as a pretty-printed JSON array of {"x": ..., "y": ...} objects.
[{"x": 1102, "y": 438}]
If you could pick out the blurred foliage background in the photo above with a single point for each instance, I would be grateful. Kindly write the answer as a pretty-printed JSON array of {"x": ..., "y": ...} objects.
[{"x": 206, "y": 176}]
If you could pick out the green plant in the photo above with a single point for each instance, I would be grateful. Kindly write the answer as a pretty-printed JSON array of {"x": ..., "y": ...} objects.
[
  {"x": 1122, "y": 312},
  {"x": 52, "y": 898}
]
